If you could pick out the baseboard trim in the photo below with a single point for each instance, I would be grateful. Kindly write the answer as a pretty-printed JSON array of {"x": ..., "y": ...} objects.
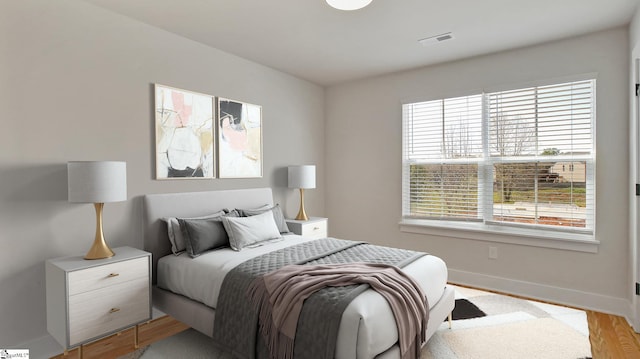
[{"x": 564, "y": 296}]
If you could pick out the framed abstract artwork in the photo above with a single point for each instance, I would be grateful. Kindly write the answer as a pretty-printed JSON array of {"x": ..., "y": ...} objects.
[
  {"x": 184, "y": 134},
  {"x": 239, "y": 139}
]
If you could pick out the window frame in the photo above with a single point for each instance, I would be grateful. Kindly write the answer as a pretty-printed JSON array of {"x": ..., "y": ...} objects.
[{"x": 486, "y": 230}]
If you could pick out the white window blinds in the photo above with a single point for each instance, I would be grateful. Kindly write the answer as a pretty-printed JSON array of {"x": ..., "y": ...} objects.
[
  {"x": 443, "y": 147},
  {"x": 522, "y": 157}
]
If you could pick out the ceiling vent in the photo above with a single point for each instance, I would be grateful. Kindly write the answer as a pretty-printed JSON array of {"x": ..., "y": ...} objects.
[{"x": 436, "y": 39}]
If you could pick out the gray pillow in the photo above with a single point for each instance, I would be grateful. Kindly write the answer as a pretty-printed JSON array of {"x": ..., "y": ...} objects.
[
  {"x": 203, "y": 234},
  {"x": 278, "y": 217},
  {"x": 175, "y": 232},
  {"x": 248, "y": 231}
]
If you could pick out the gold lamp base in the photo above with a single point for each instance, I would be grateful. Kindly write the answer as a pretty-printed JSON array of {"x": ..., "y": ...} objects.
[
  {"x": 99, "y": 249},
  {"x": 302, "y": 215}
]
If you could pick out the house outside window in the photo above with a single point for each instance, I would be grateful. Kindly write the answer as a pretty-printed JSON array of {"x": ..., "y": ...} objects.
[{"x": 522, "y": 158}]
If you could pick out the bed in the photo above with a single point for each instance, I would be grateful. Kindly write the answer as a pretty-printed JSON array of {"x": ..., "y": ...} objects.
[{"x": 367, "y": 327}]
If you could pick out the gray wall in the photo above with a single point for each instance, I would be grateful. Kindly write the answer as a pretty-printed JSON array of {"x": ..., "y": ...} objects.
[
  {"x": 76, "y": 83},
  {"x": 363, "y": 157}
]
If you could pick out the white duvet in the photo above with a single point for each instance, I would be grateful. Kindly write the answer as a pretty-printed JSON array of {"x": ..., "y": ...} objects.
[{"x": 367, "y": 321}]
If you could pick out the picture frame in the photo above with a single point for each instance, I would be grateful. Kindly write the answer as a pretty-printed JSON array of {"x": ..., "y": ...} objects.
[
  {"x": 239, "y": 139},
  {"x": 184, "y": 134}
]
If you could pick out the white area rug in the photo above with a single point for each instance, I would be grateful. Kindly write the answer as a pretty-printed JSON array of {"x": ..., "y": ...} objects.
[{"x": 512, "y": 328}]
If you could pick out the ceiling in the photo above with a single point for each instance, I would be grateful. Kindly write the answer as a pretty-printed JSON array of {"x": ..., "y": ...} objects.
[{"x": 310, "y": 40}]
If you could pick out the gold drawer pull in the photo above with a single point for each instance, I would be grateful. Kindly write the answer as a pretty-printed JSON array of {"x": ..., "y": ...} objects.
[
  {"x": 113, "y": 275},
  {"x": 316, "y": 228},
  {"x": 113, "y": 310}
]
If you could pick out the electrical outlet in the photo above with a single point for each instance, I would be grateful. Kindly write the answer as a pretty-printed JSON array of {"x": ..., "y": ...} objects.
[{"x": 493, "y": 252}]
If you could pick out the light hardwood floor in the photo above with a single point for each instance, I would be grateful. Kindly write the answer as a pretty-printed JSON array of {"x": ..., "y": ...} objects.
[
  {"x": 612, "y": 337},
  {"x": 127, "y": 341}
]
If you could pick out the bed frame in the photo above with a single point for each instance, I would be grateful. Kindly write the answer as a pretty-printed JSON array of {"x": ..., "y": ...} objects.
[
  {"x": 156, "y": 241},
  {"x": 191, "y": 204}
]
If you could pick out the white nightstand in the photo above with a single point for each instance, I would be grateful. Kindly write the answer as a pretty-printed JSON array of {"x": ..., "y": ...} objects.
[
  {"x": 315, "y": 227},
  {"x": 89, "y": 299}
]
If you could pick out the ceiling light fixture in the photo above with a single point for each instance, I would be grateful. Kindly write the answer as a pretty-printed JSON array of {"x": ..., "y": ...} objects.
[{"x": 348, "y": 4}]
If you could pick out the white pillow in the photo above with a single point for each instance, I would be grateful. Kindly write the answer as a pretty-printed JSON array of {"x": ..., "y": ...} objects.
[
  {"x": 247, "y": 231},
  {"x": 277, "y": 215}
]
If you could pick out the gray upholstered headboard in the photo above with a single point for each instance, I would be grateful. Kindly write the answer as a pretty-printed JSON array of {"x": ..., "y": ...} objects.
[{"x": 190, "y": 204}]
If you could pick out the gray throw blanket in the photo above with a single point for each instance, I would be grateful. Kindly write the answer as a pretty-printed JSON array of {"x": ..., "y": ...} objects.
[
  {"x": 278, "y": 297},
  {"x": 236, "y": 322}
]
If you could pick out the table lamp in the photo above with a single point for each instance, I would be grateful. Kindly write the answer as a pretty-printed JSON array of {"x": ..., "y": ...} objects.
[
  {"x": 302, "y": 177},
  {"x": 97, "y": 182}
]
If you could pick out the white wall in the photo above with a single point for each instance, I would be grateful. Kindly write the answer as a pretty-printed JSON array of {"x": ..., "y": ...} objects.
[
  {"x": 363, "y": 156},
  {"x": 76, "y": 83}
]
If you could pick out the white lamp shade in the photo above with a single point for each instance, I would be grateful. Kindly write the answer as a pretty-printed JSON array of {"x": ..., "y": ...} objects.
[
  {"x": 302, "y": 176},
  {"x": 97, "y": 181},
  {"x": 348, "y": 4}
]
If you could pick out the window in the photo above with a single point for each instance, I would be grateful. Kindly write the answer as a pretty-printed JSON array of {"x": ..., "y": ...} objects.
[{"x": 521, "y": 158}]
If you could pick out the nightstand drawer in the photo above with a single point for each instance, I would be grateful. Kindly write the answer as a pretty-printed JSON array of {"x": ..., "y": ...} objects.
[
  {"x": 107, "y": 275},
  {"x": 92, "y": 314},
  {"x": 316, "y": 229}
]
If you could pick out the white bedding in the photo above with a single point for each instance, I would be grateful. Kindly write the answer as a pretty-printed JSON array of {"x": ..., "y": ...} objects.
[{"x": 200, "y": 278}]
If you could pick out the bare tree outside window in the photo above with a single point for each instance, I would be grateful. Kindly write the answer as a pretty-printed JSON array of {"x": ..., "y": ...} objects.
[
  {"x": 512, "y": 136},
  {"x": 532, "y": 183}
]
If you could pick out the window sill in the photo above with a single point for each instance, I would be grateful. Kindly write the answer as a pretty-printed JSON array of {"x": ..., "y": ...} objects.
[{"x": 566, "y": 241}]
